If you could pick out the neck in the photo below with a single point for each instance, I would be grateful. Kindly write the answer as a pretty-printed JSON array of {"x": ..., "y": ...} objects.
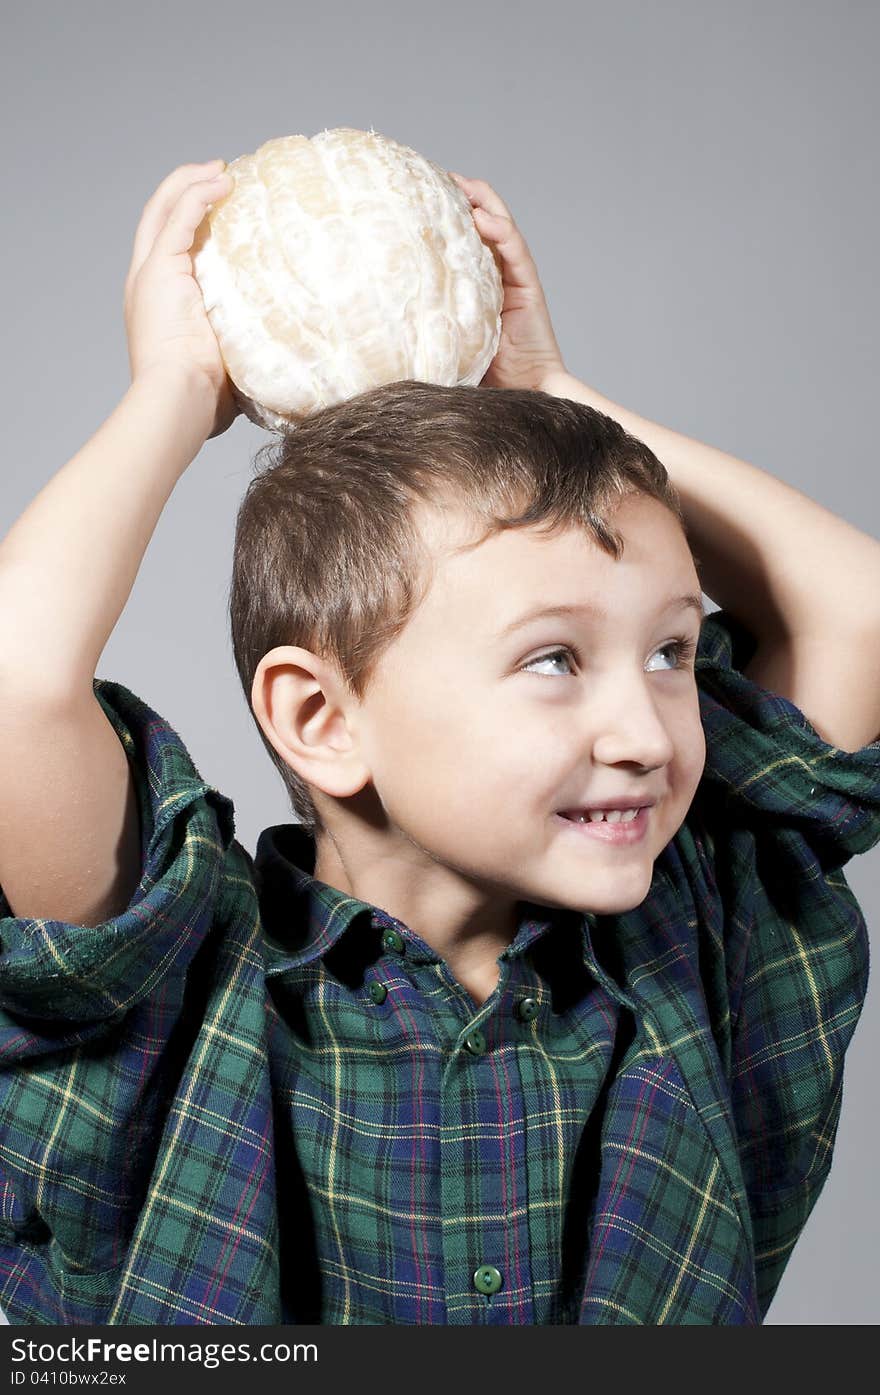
[{"x": 468, "y": 925}]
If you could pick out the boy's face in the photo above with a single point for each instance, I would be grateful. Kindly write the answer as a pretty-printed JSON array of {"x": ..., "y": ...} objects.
[{"x": 478, "y": 734}]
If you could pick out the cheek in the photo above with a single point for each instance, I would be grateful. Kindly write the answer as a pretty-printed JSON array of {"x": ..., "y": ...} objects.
[
  {"x": 441, "y": 751},
  {"x": 696, "y": 750},
  {"x": 690, "y": 762},
  {"x": 426, "y": 731}
]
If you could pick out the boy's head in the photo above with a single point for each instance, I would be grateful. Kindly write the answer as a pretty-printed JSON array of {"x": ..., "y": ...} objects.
[{"x": 385, "y": 562}]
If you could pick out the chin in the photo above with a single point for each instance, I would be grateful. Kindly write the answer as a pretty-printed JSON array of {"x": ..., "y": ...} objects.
[{"x": 590, "y": 898}]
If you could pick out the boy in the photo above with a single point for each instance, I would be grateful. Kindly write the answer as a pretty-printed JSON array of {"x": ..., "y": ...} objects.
[{"x": 451, "y": 1049}]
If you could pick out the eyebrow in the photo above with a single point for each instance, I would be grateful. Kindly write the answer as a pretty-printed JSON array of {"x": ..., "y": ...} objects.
[{"x": 596, "y": 612}]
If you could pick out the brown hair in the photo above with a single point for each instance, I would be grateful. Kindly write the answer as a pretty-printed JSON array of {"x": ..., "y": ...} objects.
[{"x": 327, "y": 553}]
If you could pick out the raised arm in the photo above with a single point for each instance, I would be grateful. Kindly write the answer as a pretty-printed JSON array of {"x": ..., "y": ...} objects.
[
  {"x": 804, "y": 582},
  {"x": 69, "y": 829}
]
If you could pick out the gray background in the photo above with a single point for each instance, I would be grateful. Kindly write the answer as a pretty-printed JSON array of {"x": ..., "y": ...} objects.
[{"x": 697, "y": 182}]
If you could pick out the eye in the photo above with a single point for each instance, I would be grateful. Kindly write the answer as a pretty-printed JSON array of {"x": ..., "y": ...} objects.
[
  {"x": 682, "y": 649},
  {"x": 554, "y": 656}
]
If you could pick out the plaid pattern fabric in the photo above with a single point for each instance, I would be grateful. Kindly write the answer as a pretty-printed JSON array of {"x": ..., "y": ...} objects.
[{"x": 241, "y": 1102}]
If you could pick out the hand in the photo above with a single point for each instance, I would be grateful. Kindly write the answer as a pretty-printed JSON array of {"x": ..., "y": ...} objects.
[
  {"x": 166, "y": 321},
  {"x": 527, "y": 352}
]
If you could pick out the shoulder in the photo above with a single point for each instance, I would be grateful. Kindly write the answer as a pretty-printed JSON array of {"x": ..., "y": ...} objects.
[{"x": 768, "y": 768}]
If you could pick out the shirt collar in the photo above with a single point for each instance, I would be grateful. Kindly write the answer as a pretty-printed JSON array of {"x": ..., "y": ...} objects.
[{"x": 304, "y": 918}]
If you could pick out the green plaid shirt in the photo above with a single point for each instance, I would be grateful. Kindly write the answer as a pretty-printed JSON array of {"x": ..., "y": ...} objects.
[{"x": 252, "y": 1099}]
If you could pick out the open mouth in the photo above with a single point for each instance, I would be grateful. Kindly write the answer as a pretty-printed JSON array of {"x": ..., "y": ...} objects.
[{"x": 613, "y": 826}]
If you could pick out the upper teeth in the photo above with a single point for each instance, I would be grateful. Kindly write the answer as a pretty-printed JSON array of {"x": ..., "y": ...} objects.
[{"x": 610, "y": 816}]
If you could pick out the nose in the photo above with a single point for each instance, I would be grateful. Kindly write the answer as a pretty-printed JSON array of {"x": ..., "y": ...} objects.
[{"x": 629, "y": 727}]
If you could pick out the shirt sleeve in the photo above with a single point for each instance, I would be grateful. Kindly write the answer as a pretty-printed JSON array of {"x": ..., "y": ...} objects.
[
  {"x": 778, "y": 813},
  {"x": 96, "y": 1024},
  {"x": 767, "y": 766},
  {"x": 62, "y": 983}
]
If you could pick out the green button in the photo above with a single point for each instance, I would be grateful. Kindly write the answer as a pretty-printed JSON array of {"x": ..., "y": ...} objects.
[
  {"x": 392, "y": 940},
  {"x": 475, "y": 1042},
  {"x": 487, "y": 1279},
  {"x": 378, "y": 992},
  {"x": 527, "y": 1008}
]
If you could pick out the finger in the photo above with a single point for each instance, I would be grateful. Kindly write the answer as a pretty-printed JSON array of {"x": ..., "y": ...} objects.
[
  {"x": 483, "y": 195},
  {"x": 180, "y": 229},
  {"x": 519, "y": 268},
  {"x": 158, "y": 207}
]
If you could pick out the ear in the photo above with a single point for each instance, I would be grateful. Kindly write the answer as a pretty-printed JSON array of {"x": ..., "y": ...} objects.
[{"x": 309, "y": 714}]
